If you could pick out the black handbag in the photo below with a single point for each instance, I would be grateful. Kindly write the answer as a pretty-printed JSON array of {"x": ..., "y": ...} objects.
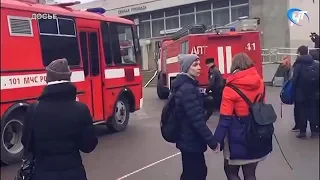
[{"x": 25, "y": 172}]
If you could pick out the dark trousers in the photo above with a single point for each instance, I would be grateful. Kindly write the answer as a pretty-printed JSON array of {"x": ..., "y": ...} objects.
[
  {"x": 193, "y": 166},
  {"x": 306, "y": 111},
  {"x": 295, "y": 116}
]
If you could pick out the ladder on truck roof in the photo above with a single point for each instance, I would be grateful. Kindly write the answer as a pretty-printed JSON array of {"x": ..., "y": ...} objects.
[
  {"x": 241, "y": 24},
  {"x": 190, "y": 29}
]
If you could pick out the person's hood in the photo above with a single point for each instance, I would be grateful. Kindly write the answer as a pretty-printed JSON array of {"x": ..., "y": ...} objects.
[
  {"x": 248, "y": 79},
  {"x": 304, "y": 59},
  {"x": 181, "y": 79},
  {"x": 59, "y": 91},
  {"x": 314, "y": 54}
]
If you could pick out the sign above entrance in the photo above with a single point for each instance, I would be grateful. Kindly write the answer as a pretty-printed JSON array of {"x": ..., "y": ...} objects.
[{"x": 132, "y": 10}]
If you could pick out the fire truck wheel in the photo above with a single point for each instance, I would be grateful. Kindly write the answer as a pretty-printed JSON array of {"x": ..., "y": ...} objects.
[
  {"x": 120, "y": 118},
  {"x": 11, "y": 134}
]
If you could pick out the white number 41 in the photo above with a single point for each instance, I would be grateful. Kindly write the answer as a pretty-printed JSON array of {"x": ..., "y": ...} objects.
[{"x": 251, "y": 46}]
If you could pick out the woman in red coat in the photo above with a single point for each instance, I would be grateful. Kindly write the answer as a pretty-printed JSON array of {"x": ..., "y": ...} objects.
[{"x": 234, "y": 116}]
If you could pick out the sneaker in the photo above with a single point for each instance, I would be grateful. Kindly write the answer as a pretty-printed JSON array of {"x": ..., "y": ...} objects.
[
  {"x": 301, "y": 135},
  {"x": 295, "y": 129}
]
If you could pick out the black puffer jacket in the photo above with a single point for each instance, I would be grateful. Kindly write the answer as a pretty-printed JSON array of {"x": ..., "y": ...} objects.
[
  {"x": 61, "y": 128},
  {"x": 195, "y": 134},
  {"x": 301, "y": 90}
]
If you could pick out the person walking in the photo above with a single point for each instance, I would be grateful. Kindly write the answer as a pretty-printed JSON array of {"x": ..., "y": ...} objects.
[
  {"x": 286, "y": 64},
  {"x": 235, "y": 115},
  {"x": 57, "y": 128},
  {"x": 194, "y": 135},
  {"x": 305, "y": 82}
]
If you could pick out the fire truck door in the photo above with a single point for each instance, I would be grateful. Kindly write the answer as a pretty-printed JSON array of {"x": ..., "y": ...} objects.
[{"x": 90, "y": 52}]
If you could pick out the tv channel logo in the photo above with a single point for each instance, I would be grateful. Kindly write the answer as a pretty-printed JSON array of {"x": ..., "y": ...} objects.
[{"x": 295, "y": 15}]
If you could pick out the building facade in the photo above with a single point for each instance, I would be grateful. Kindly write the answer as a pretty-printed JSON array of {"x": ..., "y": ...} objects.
[{"x": 156, "y": 19}]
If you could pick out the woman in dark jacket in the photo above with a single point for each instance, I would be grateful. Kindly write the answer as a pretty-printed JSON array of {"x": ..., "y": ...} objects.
[
  {"x": 194, "y": 134},
  {"x": 234, "y": 113},
  {"x": 58, "y": 127}
]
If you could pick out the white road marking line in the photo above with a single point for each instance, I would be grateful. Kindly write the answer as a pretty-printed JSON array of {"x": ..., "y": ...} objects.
[{"x": 150, "y": 165}]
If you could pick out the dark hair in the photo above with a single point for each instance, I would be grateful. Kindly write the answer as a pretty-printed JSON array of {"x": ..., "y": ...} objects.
[
  {"x": 303, "y": 50},
  {"x": 209, "y": 60}
]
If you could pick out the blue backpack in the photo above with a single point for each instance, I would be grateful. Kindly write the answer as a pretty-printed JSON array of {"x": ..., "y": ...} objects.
[{"x": 286, "y": 94}]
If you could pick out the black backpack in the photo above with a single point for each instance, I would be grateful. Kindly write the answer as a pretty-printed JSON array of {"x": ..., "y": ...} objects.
[
  {"x": 310, "y": 74},
  {"x": 169, "y": 125},
  {"x": 260, "y": 127}
]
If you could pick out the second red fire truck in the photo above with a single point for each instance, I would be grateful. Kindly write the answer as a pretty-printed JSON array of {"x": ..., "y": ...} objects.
[{"x": 218, "y": 43}]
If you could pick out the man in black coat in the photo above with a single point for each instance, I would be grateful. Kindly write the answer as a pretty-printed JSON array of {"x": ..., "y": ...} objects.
[
  {"x": 195, "y": 134},
  {"x": 58, "y": 127},
  {"x": 305, "y": 91},
  {"x": 214, "y": 89}
]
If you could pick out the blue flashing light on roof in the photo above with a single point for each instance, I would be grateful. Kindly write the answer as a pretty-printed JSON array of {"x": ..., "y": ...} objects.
[
  {"x": 98, "y": 10},
  {"x": 232, "y": 29}
]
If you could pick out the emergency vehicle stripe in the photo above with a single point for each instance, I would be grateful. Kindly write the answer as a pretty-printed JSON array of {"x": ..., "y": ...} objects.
[
  {"x": 32, "y": 80},
  {"x": 221, "y": 59},
  {"x": 172, "y": 60},
  {"x": 136, "y": 71},
  {"x": 228, "y": 58},
  {"x": 114, "y": 73},
  {"x": 118, "y": 73}
]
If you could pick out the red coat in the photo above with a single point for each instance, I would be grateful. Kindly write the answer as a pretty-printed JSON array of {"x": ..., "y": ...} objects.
[{"x": 251, "y": 84}]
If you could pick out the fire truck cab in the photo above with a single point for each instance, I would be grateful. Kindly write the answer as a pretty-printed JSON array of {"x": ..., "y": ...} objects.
[
  {"x": 103, "y": 54},
  {"x": 220, "y": 43}
]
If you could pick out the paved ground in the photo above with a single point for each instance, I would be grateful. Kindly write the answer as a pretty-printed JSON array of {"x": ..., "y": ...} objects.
[{"x": 139, "y": 153}]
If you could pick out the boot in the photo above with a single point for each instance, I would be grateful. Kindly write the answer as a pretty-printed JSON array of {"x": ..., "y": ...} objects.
[{"x": 302, "y": 135}]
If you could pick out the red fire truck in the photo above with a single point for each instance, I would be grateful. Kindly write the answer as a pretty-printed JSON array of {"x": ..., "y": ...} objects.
[
  {"x": 103, "y": 53},
  {"x": 220, "y": 43}
]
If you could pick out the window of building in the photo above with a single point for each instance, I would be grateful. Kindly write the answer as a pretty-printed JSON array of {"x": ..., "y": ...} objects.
[
  {"x": 157, "y": 14},
  {"x": 204, "y": 18},
  {"x": 106, "y": 43},
  {"x": 144, "y": 17},
  {"x": 237, "y": 2},
  {"x": 220, "y": 3},
  {"x": 187, "y": 9},
  {"x": 186, "y": 20},
  {"x": 221, "y": 17},
  {"x": 172, "y": 23},
  {"x": 144, "y": 30},
  {"x": 56, "y": 38},
  {"x": 171, "y": 12},
  {"x": 157, "y": 26},
  {"x": 237, "y": 12},
  {"x": 203, "y": 6}
]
